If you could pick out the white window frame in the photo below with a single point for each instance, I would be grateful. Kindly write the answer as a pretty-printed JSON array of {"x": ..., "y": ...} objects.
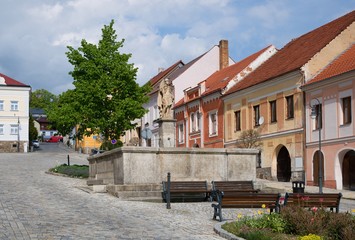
[
  {"x": 181, "y": 136},
  {"x": 192, "y": 122},
  {"x": 1, "y": 105},
  {"x": 198, "y": 121},
  {"x": 213, "y": 125},
  {"x": 1, "y": 129},
  {"x": 14, "y": 106},
  {"x": 14, "y": 129}
]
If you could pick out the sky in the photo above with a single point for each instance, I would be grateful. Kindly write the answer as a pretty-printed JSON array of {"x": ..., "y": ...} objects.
[{"x": 35, "y": 34}]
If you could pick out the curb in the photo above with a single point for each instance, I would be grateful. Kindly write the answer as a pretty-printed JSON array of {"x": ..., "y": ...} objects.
[{"x": 223, "y": 233}]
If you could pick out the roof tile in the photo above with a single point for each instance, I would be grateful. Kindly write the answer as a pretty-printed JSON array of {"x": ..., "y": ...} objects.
[{"x": 296, "y": 53}]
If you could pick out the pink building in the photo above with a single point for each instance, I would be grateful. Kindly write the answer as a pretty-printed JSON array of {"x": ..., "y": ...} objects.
[{"x": 331, "y": 93}]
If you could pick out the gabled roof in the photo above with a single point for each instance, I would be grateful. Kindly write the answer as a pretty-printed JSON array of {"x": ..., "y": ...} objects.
[
  {"x": 296, "y": 53},
  {"x": 164, "y": 74},
  {"x": 7, "y": 81},
  {"x": 179, "y": 71},
  {"x": 344, "y": 63},
  {"x": 219, "y": 80}
]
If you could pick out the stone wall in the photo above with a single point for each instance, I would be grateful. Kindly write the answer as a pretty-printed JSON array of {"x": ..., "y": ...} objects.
[
  {"x": 146, "y": 165},
  {"x": 11, "y": 146}
]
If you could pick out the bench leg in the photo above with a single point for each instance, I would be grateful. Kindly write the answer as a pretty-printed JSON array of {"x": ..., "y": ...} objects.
[{"x": 217, "y": 212}]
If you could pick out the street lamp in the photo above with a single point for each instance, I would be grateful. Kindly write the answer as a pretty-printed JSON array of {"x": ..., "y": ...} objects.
[
  {"x": 18, "y": 134},
  {"x": 314, "y": 114}
]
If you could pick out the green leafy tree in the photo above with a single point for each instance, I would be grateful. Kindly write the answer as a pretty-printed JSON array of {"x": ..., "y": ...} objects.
[
  {"x": 106, "y": 97},
  {"x": 33, "y": 133},
  {"x": 43, "y": 99},
  {"x": 64, "y": 115}
]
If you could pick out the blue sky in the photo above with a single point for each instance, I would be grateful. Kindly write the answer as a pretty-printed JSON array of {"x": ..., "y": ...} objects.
[{"x": 158, "y": 33}]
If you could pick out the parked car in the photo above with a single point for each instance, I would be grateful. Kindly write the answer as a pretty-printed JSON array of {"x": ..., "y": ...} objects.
[
  {"x": 55, "y": 139},
  {"x": 35, "y": 143}
]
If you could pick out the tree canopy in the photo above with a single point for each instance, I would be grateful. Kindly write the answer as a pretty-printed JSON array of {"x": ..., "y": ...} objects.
[
  {"x": 42, "y": 98},
  {"x": 106, "y": 97}
]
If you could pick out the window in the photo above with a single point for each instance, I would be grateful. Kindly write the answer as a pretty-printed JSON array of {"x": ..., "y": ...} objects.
[
  {"x": 237, "y": 120},
  {"x": 256, "y": 115},
  {"x": 1, "y": 129},
  {"x": 346, "y": 107},
  {"x": 1, "y": 105},
  {"x": 181, "y": 133},
  {"x": 192, "y": 123},
  {"x": 14, "y": 130},
  {"x": 213, "y": 123},
  {"x": 318, "y": 109},
  {"x": 14, "y": 105},
  {"x": 198, "y": 121},
  {"x": 289, "y": 107},
  {"x": 273, "y": 111}
]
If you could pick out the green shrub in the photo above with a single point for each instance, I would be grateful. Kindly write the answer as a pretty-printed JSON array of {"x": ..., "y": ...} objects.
[
  {"x": 79, "y": 171},
  {"x": 293, "y": 222}
]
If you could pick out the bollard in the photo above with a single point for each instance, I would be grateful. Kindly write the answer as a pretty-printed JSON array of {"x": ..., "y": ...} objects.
[
  {"x": 68, "y": 160},
  {"x": 168, "y": 193}
]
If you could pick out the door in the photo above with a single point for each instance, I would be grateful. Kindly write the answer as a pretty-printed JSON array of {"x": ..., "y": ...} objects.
[{"x": 283, "y": 165}]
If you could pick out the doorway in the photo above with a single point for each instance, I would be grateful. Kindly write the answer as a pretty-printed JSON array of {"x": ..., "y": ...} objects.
[
  {"x": 348, "y": 171},
  {"x": 283, "y": 165}
]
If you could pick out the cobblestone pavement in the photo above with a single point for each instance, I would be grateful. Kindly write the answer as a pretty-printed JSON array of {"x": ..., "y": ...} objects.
[{"x": 37, "y": 205}]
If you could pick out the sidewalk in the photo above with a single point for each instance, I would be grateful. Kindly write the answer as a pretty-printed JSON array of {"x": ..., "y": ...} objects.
[{"x": 284, "y": 187}]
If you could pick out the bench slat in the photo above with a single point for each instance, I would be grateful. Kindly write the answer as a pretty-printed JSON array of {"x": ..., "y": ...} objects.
[
  {"x": 309, "y": 200},
  {"x": 244, "y": 200},
  {"x": 186, "y": 191}
]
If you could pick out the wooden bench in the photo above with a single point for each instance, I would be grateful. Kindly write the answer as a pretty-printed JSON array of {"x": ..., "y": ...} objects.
[
  {"x": 234, "y": 186},
  {"x": 310, "y": 200},
  {"x": 245, "y": 200},
  {"x": 185, "y": 191}
]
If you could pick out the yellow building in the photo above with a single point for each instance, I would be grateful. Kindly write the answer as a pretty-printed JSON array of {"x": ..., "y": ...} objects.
[{"x": 270, "y": 100}]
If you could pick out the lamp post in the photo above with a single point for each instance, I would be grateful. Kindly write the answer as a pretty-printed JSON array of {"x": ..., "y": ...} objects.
[
  {"x": 18, "y": 134},
  {"x": 317, "y": 114}
]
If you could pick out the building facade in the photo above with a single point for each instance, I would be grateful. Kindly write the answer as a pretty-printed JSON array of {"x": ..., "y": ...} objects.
[
  {"x": 271, "y": 102},
  {"x": 14, "y": 115},
  {"x": 330, "y": 134}
]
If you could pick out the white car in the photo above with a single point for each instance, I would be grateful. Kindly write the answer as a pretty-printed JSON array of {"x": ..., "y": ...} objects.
[{"x": 35, "y": 144}]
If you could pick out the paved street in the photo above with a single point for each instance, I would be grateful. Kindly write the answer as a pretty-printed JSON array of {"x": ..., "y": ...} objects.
[{"x": 37, "y": 205}]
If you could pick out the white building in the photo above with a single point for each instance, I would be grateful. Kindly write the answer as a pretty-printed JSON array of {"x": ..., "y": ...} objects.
[
  {"x": 183, "y": 76},
  {"x": 14, "y": 115}
]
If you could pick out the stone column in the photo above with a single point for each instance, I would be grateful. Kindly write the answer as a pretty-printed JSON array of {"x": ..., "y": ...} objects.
[{"x": 167, "y": 132}]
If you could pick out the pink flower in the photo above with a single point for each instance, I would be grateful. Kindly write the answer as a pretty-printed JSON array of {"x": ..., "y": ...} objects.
[
  {"x": 314, "y": 209},
  {"x": 321, "y": 199}
]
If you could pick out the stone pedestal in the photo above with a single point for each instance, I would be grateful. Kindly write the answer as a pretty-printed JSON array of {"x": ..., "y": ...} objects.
[{"x": 167, "y": 132}]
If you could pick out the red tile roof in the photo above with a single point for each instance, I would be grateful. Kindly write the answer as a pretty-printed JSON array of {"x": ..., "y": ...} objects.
[
  {"x": 11, "y": 82},
  {"x": 164, "y": 73},
  {"x": 344, "y": 63},
  {"x": 296, "y": 53},
  {"x": 220, "y": 79}
]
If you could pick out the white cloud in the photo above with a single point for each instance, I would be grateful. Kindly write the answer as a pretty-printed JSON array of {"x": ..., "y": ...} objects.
[
  {"x": 46, "y": 12},
  {"x": 157, "y": 32}
]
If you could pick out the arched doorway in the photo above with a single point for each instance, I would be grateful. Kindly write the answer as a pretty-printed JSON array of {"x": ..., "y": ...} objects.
[
  {"x": 316, "y": 168},
  {"x": 283, "y": 165},
  {"x": 348, "y": 171}
]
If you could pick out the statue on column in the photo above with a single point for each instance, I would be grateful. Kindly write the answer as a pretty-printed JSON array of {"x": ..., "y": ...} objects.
[{"x": 166, "y": 99}]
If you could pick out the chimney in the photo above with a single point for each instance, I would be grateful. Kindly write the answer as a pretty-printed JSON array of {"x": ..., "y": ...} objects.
[
  {"x": 223, "y": 54},
  {"x": 160, "y": 70}
]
